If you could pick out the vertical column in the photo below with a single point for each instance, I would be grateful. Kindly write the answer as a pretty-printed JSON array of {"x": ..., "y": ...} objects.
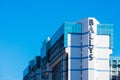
[
  {"x": 74, "y": 57},
  {"x": 67, "y": 50},
  {"x": 49, "y": 69},
  {"x": 64, "y": 62}
]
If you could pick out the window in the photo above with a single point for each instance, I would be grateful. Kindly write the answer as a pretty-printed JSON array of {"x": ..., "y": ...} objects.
[
  {"x": 81, "y": 55},
  {"x": 81, "y": 60},
  {"x": 114, "y": 64},
  {"x": 35, "y": 79},
  {"x": 113, "y": 77},
  {"x": 81, "y": 43},
  {"x": 81, "y": 72},
  {"x": 81, "y": 66},
  {"x": 119, "y": 73},
  {"x": 81, "y": 78},
  {"x": 57, "y": 70},
  {"x": 81, "y": 37},
  {"x": 119, "y": 64},
  {"x": 81, "y": 49}
]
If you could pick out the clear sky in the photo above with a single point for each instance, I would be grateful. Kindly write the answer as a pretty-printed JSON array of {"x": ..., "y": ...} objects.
[{"x": 24, "y": 24}]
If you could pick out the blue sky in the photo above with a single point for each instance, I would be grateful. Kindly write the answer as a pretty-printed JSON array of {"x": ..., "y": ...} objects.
[{"x": 24, "y": 24}]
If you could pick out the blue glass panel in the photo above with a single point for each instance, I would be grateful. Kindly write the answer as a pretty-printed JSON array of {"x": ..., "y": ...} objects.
[
  {"x": 106, "y": 29},
  {"x": 47, "y": 44},
  {"x": 43, "y": 49},
  {"x": 71, "y": 28},
  {"x": 63, "y": 30},
  {"x": 25, "y": 72},
  {"x": 56, "y": 36}
]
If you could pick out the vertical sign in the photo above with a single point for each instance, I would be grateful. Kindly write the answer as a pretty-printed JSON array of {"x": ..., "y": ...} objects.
[{"x": 91, "y": 38}]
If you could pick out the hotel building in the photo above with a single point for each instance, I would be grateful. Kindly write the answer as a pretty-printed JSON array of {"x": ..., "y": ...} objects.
[{"x": 78, "y": 51}]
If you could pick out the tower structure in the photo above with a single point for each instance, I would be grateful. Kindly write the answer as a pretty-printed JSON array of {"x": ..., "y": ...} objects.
[{"x": 78, "y": 51}]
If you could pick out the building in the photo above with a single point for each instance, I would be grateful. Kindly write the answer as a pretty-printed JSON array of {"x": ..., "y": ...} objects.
[
  {"x": 32, "y": 71},
  {"x": 78, "y": 51},
  {"x": 115, "y": 67}
]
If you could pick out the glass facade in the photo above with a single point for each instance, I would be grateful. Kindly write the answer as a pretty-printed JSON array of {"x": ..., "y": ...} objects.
[
  {"x": 26, "y": 71},
  {"x": 106, "y": 29},
  {"x": 56, "y": 35},
  {"x": 43, "y": 49},
  {"x": 33, "y": 67},
  {"x": 63, "y": 30},
  {"x": 71, "y": 28},
  {"x": 57, "y": 72}
]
